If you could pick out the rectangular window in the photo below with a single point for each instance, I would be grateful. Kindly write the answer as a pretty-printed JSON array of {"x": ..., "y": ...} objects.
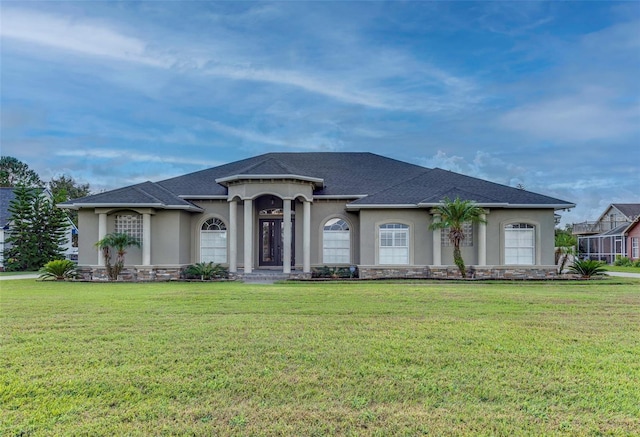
[
  {"x": 336, "y": 247},
  {"x": 130, "y": 224},
  {"x": 635, "y": 248},
  {"x": 394, "y": 244},
  {"x": 213, "y": 246},
  {"x": 519, "y": 245},
  {"x": 467, "y": 229}
]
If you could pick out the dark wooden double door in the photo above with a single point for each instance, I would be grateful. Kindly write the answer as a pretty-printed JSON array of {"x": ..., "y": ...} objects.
[{"x": 272, "y": 242}]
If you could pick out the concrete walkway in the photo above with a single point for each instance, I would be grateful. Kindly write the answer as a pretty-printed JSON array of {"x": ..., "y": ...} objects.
[
  {"x": 11, "y": 277},
  {"x": 624, "y": 274}
]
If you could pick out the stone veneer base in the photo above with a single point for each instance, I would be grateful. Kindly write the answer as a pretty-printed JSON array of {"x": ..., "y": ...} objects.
[
  {"x": 452, "y": 272},
  {"x": 174, "y": 273}
]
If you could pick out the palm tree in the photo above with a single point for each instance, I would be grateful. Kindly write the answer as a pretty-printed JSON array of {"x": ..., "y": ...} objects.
[
  {"x": 565, "y": 247},
  {"x": 120, "y": 242},
  {"x": 453, "y": 215}
]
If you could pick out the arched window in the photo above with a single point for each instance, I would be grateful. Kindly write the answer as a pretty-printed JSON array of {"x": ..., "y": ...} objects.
[
  {"x": 213, "y": 241},
  {"x": 336, "y": 242},
  {"x": 394, "y": 244},
  {"x": 520, "y": 244}
]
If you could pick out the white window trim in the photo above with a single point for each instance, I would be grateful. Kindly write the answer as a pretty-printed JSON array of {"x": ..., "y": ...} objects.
[
  {"x": 199, "y": 238},
  {"x": 129, "y": 223},
  {"x": 537, "y": 240},
  {"x": 410, "y": 244}
]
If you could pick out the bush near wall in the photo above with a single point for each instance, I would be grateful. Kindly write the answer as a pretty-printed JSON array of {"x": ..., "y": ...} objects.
[{"x": 328, "y": 272}]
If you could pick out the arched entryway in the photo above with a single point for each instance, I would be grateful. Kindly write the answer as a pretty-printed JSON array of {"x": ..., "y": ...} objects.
[{"x": 271, "y": 232}]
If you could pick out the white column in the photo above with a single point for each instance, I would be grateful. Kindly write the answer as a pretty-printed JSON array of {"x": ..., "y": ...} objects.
[
  {"x": 286, "y": 250},
  {"x": 437, "y": 243},
  {"x": 306, "y": 236},
  {"x": 248, "y": 235},
  {"x": 482, "y": 241},
  {"x": 233, "y": 236},
  {"x": 146, "y": 239},
  {"x": 102, "y": 232}
]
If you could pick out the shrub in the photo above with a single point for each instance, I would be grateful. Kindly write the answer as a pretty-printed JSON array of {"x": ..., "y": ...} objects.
[
  {"x": 587, "y": 268},
  {"x": 58, "y": 270},
  {"x": 334, "y": 272},
  {"x": 206, "y": 271},
  {"x": 622, "y": 261},
  {"x": 637, "y": 263}
]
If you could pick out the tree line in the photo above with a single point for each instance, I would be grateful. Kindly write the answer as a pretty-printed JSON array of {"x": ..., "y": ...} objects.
[{"x": 38, "y": 228}]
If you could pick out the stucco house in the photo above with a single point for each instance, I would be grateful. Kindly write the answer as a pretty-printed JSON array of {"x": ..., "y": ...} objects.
[
  {"x": 295, "y": 211},
  {"x": 7, "y": 195},
  {"x": 616, "y": 233}
]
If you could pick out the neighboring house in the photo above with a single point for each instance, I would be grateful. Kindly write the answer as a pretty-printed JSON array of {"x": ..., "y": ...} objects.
[
  {"x": 615, "y": 234},
  {"x": 295, "y": 211},
  {"x": 6, "y": 197}
]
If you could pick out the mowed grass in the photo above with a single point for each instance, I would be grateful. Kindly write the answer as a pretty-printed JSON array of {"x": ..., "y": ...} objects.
[{"x": 359, "y": 358}]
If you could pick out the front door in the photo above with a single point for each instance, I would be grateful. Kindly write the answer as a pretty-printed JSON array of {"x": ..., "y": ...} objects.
[{"x": 271, "y": 242}]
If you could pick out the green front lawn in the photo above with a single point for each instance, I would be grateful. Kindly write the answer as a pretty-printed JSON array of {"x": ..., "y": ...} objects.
[
  {"x": 622, "y": 269},
  {"x": 358, "y": 358}
]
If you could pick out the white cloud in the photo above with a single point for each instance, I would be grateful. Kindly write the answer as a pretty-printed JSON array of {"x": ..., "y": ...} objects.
[
  {"x": 85, "y": 38},
  {"x": 127, "y": 155}
]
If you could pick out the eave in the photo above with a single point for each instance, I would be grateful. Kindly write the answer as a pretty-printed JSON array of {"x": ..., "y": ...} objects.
[
  {"x": 76, "y": 206},
  {"x": 244, "y": 177},
  {"x": 357, "y": 206}
]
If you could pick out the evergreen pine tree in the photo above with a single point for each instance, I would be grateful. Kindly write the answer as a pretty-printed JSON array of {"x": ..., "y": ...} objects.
[
  {"x": 21, "y": 244},
  {"x": 52, "y": 224},
  {"x": 37, "y": 230}
]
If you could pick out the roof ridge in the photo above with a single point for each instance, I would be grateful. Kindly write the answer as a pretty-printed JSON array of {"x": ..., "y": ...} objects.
[
  {"x": 146, "y": 193},
  {"x": 166, "y": 190}
]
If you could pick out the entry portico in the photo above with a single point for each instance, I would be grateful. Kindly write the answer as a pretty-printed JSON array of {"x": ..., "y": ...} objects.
[{"x": 273, "y": 196}]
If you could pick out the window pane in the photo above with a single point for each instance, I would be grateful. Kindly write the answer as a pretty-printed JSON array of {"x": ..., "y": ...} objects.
[
  {"x": 519, "y": 241},
  {"x": 213, "y": 246},
  {"x": 336, "y": 242}
]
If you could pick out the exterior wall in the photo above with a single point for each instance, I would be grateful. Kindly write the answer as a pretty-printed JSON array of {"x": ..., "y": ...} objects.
[
  {"x": 420, "y": 236},
  {"x": 253, "y": 189},
  {"x": 218, "y": 209},
  {"x": 321, "y": 211},
  {"x": 542, "y": 219},
  {"x": 170, "y": 238},
  {"x": 633, "y": 233},
  {"x": 87, "y": 237}
]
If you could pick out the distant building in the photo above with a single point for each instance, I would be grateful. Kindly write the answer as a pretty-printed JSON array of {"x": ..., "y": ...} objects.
[
  {"x": 7, "y": 195},
  {"x": 616, "y": 233}
]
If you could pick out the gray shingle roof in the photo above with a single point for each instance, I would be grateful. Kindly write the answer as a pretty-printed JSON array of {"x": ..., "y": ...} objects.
[
  {"x": 432, "y": 186},
  {"x": 630, "y": 210},
  {"x": 382, "y": 180},
  {"x": 144, "y": 194}
]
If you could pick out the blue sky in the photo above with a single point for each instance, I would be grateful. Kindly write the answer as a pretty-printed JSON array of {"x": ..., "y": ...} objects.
[{"x": 546, "y": 95}]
